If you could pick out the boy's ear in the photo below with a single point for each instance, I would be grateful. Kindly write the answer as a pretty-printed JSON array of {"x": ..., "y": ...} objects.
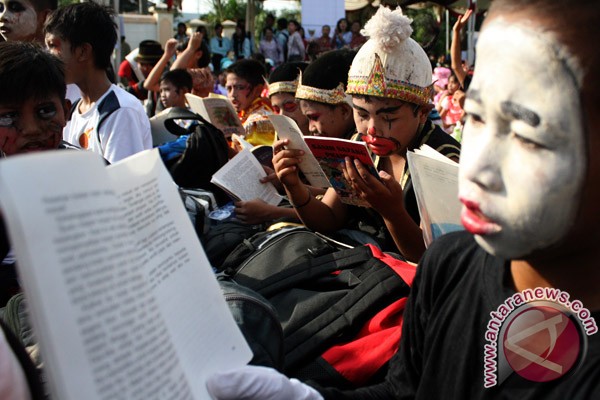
[
  {"x": 424, "y": 111},
  {"x": 257, "y": 90},
  {"x": 84, "y": 52}
]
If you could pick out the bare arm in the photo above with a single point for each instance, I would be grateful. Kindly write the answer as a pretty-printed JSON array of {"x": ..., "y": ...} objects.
[
  {"x": 257, "y": 211},
  {"x": 183, "y": 59},
  {"x": 153, "y": 80},
  {"x": 455, "y": 50},
  {"x": 326, "y": 215}
]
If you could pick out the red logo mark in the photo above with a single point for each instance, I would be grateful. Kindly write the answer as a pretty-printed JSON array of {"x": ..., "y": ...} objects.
[{"x": 541, "y": 344}]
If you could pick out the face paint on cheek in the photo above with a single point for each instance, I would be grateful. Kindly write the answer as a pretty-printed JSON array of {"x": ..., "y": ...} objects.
[{"x": 23, "y": 24}]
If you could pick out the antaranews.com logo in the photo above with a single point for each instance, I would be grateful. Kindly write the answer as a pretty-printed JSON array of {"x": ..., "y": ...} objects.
[{"x": 539, "y": 334}]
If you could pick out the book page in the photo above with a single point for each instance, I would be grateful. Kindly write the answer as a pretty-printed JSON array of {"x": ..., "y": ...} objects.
[
  {"x": 241, "y": 176},
  {"x": 64, "y": 224},
  {"x": 217, "y": 111},
  {"x": 239, "y": 140},
  {"x": 80, "y": 254},
  {"x": 430, "y": 152},
  {"x": 202, "y": 330},
  {"x": 287, "y": 128},
  {"x": 331, "y": 154},
  {"x": 436, "y": 189}
]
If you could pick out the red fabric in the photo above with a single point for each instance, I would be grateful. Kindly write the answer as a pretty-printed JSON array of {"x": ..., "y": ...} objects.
[
  {"x": 125, "y": 71},
  {"x": 378, "y": 339},
  {"x": 405, "y": 270}
]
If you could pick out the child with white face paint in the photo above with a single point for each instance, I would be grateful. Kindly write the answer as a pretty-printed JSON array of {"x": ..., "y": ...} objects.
[
  {"x": 23, "y": 20},
  {"x": 528, "y": 179}
]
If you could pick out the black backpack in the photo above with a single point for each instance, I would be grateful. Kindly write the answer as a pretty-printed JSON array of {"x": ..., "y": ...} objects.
[
  {"x": 258, "y": 321},
  {"x": 222, "y": 238},
  {"x": 324, "y": 297},
  {"x": 205, "y": 153}
]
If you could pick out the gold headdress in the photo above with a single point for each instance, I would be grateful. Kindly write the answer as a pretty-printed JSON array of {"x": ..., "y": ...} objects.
[
  {"x": 283, "y": 86},
  {"x": 329, "y": 96}
]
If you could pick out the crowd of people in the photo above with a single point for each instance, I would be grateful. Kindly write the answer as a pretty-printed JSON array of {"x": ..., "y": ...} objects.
[{"x": 526, "y": 180}]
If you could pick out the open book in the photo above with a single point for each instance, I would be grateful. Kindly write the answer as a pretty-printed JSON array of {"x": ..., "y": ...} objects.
[
  {"x": 435, "y": 181},
  {"x": 218, "y": 111},
  {"x": 324, "y": 158},
  {"x": 122, "y": 297},
  {"x": 240, "y": 178},
  {"x": 263, "y": 153}
]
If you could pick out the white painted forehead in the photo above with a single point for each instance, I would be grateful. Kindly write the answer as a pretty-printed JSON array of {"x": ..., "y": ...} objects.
[{"x": 498, "y": 29}]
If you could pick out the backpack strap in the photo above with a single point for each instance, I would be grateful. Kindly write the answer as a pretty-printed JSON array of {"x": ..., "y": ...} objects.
[
  {"x": 176, "y": 113},
  {"x": 307, "y": 270}
]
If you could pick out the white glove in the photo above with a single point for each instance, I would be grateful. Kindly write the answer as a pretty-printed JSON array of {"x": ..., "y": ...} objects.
[{"x": 258, "y": 383}]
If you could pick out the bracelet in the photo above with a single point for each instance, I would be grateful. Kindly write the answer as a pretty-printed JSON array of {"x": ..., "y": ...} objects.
[{"x": 306, "y": 202}]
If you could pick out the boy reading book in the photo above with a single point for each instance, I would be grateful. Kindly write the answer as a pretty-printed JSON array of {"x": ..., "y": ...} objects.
[{"x": 390, "y": 83}]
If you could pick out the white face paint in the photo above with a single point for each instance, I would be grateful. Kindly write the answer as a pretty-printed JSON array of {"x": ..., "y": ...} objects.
[
  {"x": 18, "y": 20},
  {"x": 523, "y": 156}
]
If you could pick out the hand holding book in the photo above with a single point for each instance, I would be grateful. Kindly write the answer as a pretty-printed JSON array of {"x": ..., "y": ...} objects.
[
  {"x": 382, "y": 193},
  {"x": 321, "y": 159}
]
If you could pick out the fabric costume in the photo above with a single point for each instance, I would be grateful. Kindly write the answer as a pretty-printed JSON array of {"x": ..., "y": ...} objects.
[
  {"x": 259, "y": 130},
  {"x": 124, "y": 132},
  {"x": 441, "y": 355}
]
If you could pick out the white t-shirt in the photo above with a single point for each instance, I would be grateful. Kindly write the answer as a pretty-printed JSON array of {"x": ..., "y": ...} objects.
[{"x": 124, "y": 132}]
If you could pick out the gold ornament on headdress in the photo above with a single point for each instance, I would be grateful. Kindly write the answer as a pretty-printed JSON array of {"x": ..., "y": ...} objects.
[
  {"x": 329, "y": 96},
  {"x": 283, "y": 86},
  {"x": 378, "y": 85}
]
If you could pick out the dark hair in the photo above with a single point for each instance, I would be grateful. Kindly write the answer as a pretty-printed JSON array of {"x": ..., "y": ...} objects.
[
  {"x": 180, "y": 78},
  {"x": 282, "y": 23},
  {"x": 218, "y": 25},
  {"x": 181, "y": 24},
  {"x": 86, "y": 23},
  {"x": 267, "y": 28},
  {"x": 296, "y": 24},
  {"x": 28, "y": 71},
  {"x": 287, "y": 71},
  {"x": 250, "y": 70},
  {"x": 41, "y": 5},
  {"x": 337, "y": 26},
  {"x": 204, "y": 59},
  {"x": 327, "y": 71}
]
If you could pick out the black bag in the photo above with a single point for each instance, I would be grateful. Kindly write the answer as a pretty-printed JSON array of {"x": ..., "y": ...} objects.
[
  {"x": 282, "y": 246},
  {"x": 205, "y": 153},
  {"x": 198, "y": 204},
  {"x": 323, "y": 296},
  {"x": 222, "y": 238},
  {"x": 258, "y": 321}
]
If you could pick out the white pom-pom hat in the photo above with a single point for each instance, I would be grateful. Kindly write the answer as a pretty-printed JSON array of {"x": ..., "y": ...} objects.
[{"x": 391, "y": 64}]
